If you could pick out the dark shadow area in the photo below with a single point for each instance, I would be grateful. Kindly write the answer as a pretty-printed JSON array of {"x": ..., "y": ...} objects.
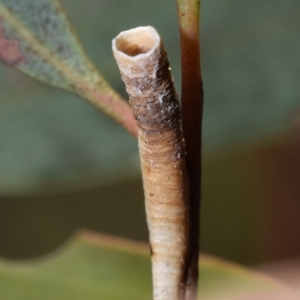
[{"x": 34, "y": 225}]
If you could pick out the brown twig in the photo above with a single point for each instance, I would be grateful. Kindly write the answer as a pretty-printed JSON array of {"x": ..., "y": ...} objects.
[
  {"x": 145, "y": 70},
  {"x": 192, "y": 110}
]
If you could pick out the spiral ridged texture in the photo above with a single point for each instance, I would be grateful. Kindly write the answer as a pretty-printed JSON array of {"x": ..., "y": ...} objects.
[{"x": 144, "y": 68}]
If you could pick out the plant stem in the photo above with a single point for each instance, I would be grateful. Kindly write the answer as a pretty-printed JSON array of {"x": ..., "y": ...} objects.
[
  {"x": 145, "y": 70},
  {"x": 192, "y": 110},
  {"x": 110, "y": 102}
]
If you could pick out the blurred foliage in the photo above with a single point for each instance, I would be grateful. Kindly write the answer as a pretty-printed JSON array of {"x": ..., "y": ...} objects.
[
  {"x": 250, "y": 66},
  {"x": 50, "y": 138},
  {"x": 97, "y": 267}
]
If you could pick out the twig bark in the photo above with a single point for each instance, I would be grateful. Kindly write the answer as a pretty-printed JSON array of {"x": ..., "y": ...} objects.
[
  {"x": 145, "y": 70},
  {"x": 192, "y": 110}
]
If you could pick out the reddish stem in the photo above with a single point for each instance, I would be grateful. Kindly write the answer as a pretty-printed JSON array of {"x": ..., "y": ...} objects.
[{"x": 192, "y": 109}]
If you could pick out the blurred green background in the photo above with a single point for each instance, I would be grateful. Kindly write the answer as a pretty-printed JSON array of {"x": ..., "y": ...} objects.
[{"x": 64, "y": 165}]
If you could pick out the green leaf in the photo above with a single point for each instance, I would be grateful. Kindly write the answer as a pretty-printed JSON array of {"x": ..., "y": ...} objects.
[
  {"x": 36, "y": 38},
  {"x": 51, "y": 139},
  {"x": 94, "y": 267}
]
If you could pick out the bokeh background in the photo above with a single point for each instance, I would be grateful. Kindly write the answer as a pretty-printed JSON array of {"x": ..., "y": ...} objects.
[{"x": 64, "y": 165}]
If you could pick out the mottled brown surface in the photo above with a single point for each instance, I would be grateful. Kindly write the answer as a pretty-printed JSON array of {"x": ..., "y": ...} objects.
[{"x": 162, "y": 152}]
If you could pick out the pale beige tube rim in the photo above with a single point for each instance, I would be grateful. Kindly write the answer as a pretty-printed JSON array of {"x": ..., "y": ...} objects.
[{"x": 136, "y": 43}]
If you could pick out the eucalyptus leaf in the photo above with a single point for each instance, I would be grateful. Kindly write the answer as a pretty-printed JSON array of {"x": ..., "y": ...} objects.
[
  {"x": 94, "y": 267},
  {"x": 37, "y": 39}
]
